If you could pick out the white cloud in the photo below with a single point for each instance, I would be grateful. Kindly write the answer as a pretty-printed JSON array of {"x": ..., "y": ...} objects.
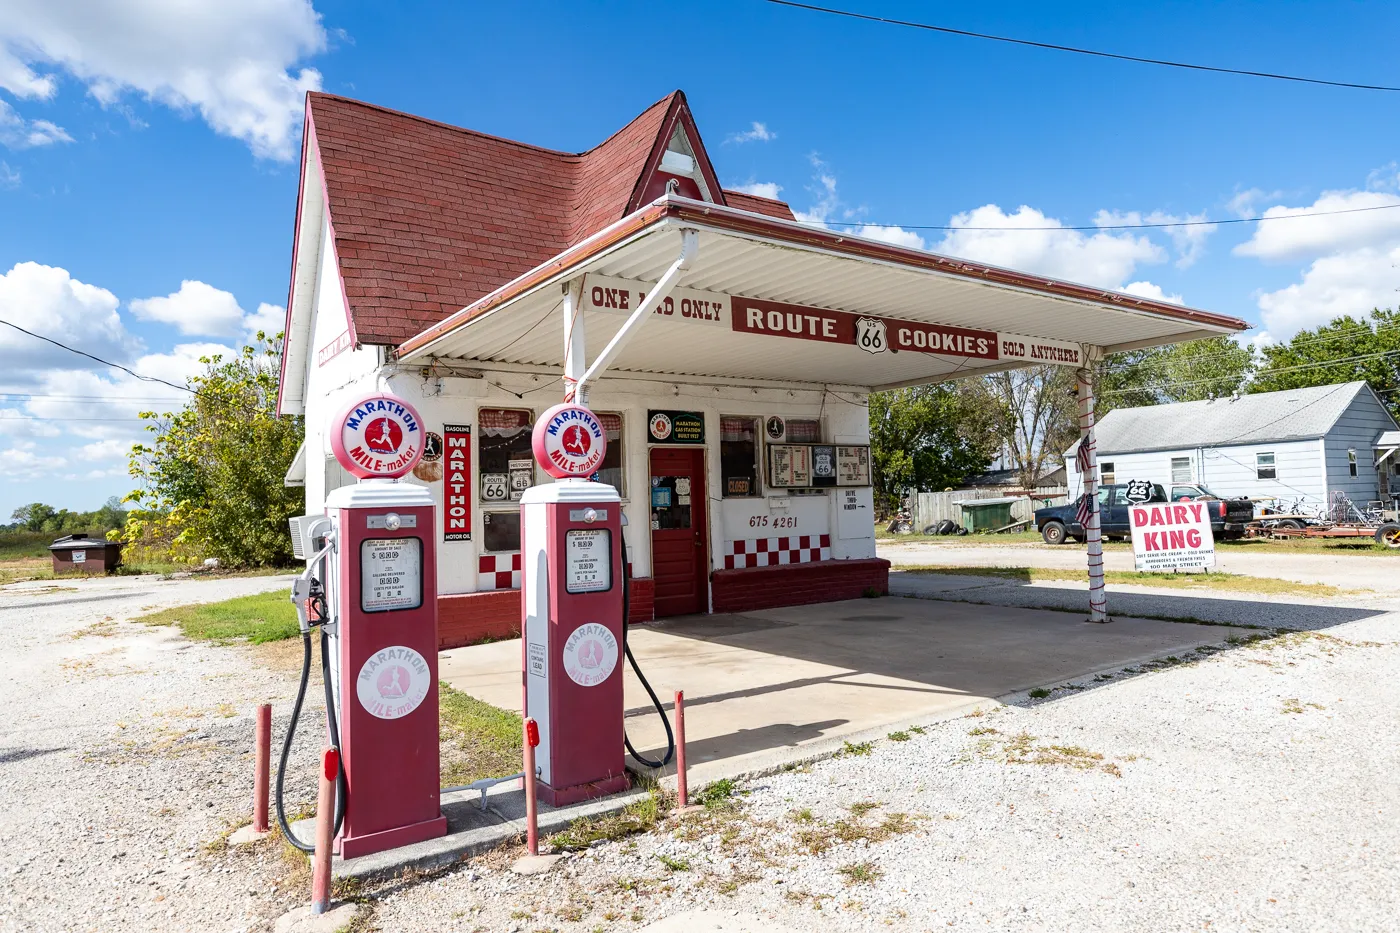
[
  {"x": 109, "y": 449},
  {"x": 49, "y": 301},
  {"x": 1102, "y": 259},
  {"x": 9, "y": 177},
  {"x": 232, "y": 62},
  {"x": 762, "y": 189},
  {"x": 16, "y": 423},
  {"x": 759, "y": 132},
  {"x": 196, "y": 308},
  {"x": 896, "y": 236},
  {"x": 1351, "y": 282},
  {"x": 1152, "y": 291},
  {"x": 18, "y": 133},
  {"x": 23, "y": 463},
  {"x": 1189, "y": 241},
  {"x": 1318, "y": 236},
  {"x": 269, "y": 318},
  {"x": 1246, "y": 203},
  {"x": 827, "y": 201}
]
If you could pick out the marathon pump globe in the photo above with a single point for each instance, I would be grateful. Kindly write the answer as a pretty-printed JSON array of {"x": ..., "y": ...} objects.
[
  {"x": 569, "y": 440},
  {"x": 377, "y": 437}
]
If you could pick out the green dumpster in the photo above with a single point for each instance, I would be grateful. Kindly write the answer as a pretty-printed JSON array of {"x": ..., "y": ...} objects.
[{"x": 986, "y": 514}]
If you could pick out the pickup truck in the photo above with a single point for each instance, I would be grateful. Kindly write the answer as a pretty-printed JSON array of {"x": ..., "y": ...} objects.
[{"x": 1057, "y": 523}]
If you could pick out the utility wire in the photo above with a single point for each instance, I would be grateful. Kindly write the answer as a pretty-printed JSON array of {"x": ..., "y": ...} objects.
[
  {"x": 929, "y": 27},
  {"x": 1300, "y": 346},
  {"x": 1086, "y": 227},
  {"x": 98, "y": 359},
  {"x": 1269, "y": 372}
]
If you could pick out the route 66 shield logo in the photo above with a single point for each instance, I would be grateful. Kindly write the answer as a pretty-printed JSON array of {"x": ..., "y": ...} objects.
[{"x": 870, "y": 335}]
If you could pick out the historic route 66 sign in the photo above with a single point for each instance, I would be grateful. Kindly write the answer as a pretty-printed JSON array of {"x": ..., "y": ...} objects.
[
  {"x": 1138, "y": 491},
  {"x": 870, "y": 335}
]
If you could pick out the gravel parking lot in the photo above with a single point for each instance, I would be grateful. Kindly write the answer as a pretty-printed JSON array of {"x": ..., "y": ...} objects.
[
  {"x": 1250, "y": 789},
  {"x": 125, "y": 756},
  {"x": 1247, "y": 788}
]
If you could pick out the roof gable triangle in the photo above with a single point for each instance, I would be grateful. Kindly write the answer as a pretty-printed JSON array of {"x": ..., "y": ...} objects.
[{"x": 678, "y": 155}]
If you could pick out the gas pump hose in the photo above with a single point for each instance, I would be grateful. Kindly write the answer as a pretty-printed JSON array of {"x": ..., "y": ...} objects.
[
  {"x": 660, "y": 710},
  {"x": 332, "y": 727}
]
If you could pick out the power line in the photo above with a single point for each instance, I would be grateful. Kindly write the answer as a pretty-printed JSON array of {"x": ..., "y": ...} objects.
[
  {"x": 1088, "y": 227},
  {"x": 1296, "y": 344},
  {"x": 1267, "y": 372},
  {"x": 1079, "y": 51},
  {"x": 98, "y": 359}
]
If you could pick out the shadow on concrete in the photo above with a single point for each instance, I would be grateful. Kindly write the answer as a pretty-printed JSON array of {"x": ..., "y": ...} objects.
[
  {"x": 12, "y": 755},
  {"x": 105, "y": 597},
  {"x": 744, "y": 741}
]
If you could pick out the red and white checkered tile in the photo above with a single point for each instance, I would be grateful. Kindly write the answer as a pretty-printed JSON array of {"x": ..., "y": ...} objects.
[
  {"x": 498, "y": 571},
  {"x": 773, "y": 552}
]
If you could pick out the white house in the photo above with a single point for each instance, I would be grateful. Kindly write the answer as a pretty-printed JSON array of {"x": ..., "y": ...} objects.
[{"x": 1298, "y": 445}]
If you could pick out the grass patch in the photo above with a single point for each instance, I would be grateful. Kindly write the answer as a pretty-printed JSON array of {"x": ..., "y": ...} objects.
[
  {"x": 861, "y": 872},
  {"x": 1234, "y": 582},
  {"x": 1039, "y": 693},
  {"x": 855, "y": 749},
  {"x": 262, "y": 617},
  {"x": 900, "y": 736},
  {"x": 478, "y": 740},
  {"x": 640, "y": 816},
  {"x": 717, "y": 795},
  {"x": 675, "y": 864},
  {"x": 1024, "y": 749}
]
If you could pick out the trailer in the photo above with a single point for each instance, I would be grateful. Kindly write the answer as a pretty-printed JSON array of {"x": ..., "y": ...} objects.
[{"x": 1387, "y": 533}]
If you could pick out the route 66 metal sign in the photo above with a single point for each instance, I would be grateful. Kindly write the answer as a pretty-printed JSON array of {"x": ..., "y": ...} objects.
[{"x": 870, "y": 335}]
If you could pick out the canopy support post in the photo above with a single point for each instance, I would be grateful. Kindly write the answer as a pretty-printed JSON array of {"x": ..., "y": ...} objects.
[
  {"x": 690, "y": 245},
  {"x": 574, "y": 342},
  {"x": 1089, "y": 469}
]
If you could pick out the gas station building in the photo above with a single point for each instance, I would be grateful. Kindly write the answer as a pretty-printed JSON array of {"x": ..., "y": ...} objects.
[{"x": 483, "y": 280}]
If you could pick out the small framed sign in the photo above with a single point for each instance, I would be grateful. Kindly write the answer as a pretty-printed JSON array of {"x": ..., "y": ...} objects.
[
  {"x": 675, "y": 427},
  {"x": 853, "y": 466},
  {"x": 789, "y": 466}
]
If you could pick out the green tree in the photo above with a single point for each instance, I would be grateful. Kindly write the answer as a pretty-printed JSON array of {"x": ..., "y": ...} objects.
[
  {"x": 1214, "y": 367},
  {"x": 1036, "y": 417},
  {"x": 211, "y": 477},
  {"x": 33, "y": 516},
  {"x": 927, "y": 437},
  {"x": 1344, "y": 350}
]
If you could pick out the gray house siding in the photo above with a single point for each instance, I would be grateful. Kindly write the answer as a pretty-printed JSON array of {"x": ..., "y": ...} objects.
[
  {"x": 1228, "y": 471},
  {"x": 1357, "y": 429}
]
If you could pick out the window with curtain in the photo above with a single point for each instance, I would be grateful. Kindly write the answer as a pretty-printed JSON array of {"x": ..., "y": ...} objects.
[
  {"x": 612, "y": 472},
  {"x": 738, "y": 456},
  {"x": 505, "y": 469}
]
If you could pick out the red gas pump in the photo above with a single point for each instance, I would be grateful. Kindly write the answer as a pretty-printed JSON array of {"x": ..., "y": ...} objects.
[
  {"x": 372, "y": 576},
  {"x": 572, "y": 611}
]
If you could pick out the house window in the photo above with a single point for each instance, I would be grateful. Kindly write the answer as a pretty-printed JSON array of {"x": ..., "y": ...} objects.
[
  {"x": 1351, "y": 461},
  {"x": 506, "y": 469},
  {"x": 1264, "y": 466},
  {"x": 804, "y": 431},
  {"x": 611, "y": 472},
  {"x": 1106, "y": 472},
  {"x": 738, "y": 456},
  {"x": 1181, "y": 470}
]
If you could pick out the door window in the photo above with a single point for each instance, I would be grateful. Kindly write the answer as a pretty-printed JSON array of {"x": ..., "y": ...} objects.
[
  {"x": 738, "y": 456},
  {"x": 670, "y": 503}
]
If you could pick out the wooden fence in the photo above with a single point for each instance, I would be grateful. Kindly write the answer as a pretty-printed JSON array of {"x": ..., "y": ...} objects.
[{"x": 930, "y": 508}]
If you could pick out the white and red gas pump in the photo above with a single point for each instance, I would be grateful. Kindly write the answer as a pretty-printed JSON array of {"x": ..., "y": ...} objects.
[
  {"x": 573, "y": 605},
  {"x": 371, "y": 578}
]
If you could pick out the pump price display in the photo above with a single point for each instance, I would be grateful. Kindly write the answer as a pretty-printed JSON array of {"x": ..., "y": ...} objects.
[
  {"x": 391, "y": 574},
  {"x": 588, "y": 560}
]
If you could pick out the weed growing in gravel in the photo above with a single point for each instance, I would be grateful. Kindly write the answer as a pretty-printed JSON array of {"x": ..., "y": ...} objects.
[
  {"x": 855, "y": 749},
  {"x": 675, "y": 864},
  {"x": 861, "y": 872},
  {"x": 1039, "y": 693},
  {"x": 640, "y": 816},
  {"x": 982, "y": 730},
  {"x": 717, "y": 795},
  {"x": 919, "y": 730},
  {"x": 1292, "y": 705},
  {"x": 898, "y": 736},
  {"x": 801, "y": 816},
  {"x": 1022, "y": 749},
  {"x": 862, "y": 807}
]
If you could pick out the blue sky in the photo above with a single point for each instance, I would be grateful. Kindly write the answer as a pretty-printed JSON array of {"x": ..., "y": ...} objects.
[{"x": 148, "y": 173}]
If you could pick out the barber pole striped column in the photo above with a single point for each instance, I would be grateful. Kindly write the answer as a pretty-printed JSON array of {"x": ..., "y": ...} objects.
[{"x": 1088, "y": 462}]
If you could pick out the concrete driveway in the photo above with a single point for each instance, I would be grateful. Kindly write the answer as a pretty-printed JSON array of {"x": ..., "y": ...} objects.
[
  {"x": 1371, "y": 570},
  {"x": 767, "y": 687}
]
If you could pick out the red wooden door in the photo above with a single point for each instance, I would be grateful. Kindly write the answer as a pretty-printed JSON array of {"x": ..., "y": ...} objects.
[{"x": 679, "y": 530}]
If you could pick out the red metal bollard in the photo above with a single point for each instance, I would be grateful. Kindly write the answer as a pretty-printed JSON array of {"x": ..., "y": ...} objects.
[
  {"x": 325, "y": 825},
  {"x": 532, "y": 828},
  {"x": 682, "y": 790},
  {"x": 262, "y": 768}
]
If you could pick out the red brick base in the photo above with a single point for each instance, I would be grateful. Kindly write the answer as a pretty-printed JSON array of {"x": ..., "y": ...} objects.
[
  {"x": 467, "y": 618},
  {"x": 798, "y": 584}
]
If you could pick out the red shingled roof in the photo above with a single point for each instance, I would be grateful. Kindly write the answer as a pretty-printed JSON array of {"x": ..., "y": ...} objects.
[{"x": 429, "y": 217}]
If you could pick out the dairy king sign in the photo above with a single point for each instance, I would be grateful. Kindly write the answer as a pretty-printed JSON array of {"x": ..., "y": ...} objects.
[{"x": 1172, "y": 536}]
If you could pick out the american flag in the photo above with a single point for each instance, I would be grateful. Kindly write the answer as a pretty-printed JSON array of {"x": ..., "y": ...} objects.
[
  {"x": 1086, "y": 508},
  {"x": 1081, "y": 456}
]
